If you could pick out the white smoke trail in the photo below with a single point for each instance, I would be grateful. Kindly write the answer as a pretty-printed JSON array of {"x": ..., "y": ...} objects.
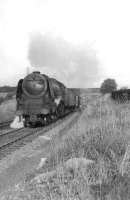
[
  {"x": 17, "y": 123},
  {"x": 75, "y": 66}
]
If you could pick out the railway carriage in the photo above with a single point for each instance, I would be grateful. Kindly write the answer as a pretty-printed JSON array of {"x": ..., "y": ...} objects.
[{"x": 41, "y": 99}]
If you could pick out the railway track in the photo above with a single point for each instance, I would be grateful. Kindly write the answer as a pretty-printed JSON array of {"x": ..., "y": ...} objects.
[
  {"x": 5, "y": 124},
  {"x": 14, "y": 139},
  {"x": 8, "y": 138}
]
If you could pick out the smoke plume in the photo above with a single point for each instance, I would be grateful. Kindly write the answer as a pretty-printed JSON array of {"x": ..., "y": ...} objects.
[{"x": 75, "y": 66}]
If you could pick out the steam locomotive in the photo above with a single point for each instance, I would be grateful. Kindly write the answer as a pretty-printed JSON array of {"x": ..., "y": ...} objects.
[{"x": 41, "y": 99}]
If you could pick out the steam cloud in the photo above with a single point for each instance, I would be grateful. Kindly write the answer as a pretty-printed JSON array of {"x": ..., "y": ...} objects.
[{"x": 75, "y": 66}]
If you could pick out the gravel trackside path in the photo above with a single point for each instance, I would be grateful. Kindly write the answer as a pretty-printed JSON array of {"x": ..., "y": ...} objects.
[{"x": 15, "y": 166}]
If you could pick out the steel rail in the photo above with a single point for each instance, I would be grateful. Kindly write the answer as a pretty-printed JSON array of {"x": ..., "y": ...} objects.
[
  {"x": 27, "y": 132},
  {"x": 5, "y": 124}
]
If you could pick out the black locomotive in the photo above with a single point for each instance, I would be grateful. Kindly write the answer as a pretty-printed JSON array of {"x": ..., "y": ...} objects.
[{"x": 41, "y": 99}]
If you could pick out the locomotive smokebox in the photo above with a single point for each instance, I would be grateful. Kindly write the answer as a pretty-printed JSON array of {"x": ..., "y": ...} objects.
[{"x": 34, "y": 84}]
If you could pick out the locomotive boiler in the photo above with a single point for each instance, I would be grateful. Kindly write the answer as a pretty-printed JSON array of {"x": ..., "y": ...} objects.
[{"x": 41, "y": 99}]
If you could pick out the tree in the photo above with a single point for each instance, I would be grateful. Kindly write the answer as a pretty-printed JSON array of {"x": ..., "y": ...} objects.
[{"x": 108, "y": 86}]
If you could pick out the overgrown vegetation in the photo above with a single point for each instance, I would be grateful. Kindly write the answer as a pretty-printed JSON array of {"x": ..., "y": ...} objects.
[
  {"x": 1, "y": 100},
  {"x": 7, "y": 109},
  {"x": 102, "y": 135},
  {"x": 6, "y": 97}
]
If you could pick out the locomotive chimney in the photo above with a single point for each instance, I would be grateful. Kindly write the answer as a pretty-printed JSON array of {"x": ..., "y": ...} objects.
[{"x": 36, "y": 72}]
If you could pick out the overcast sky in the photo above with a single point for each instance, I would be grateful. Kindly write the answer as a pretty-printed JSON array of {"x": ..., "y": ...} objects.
[{"x": 97, "y": 29}]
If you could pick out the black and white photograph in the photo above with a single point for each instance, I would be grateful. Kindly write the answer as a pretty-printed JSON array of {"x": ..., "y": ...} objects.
[{"x": 64, "y": 100}]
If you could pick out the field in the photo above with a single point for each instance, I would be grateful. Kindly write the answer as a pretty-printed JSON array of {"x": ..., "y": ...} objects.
[
  {"x": 3, "y": 94},
  {"x": 98, "y": 151}
]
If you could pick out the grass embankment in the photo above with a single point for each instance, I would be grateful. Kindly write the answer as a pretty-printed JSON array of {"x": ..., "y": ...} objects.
[
  {"x": 7, "y": 110},
  {"x": 102, "y": 135},
  {"x": 7, "y": 105}
]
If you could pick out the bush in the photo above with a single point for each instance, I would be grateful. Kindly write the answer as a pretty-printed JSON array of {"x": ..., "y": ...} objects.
[
  {"x": 9, "y": 96},
  {"x": 108, "y": 86},
  {"x": 1, "y": 100}
]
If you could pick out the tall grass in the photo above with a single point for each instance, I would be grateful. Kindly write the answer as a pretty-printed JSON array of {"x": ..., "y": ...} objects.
[
  {"x": 102, "y": 135},
  {"x": 7, "y": 110}
]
